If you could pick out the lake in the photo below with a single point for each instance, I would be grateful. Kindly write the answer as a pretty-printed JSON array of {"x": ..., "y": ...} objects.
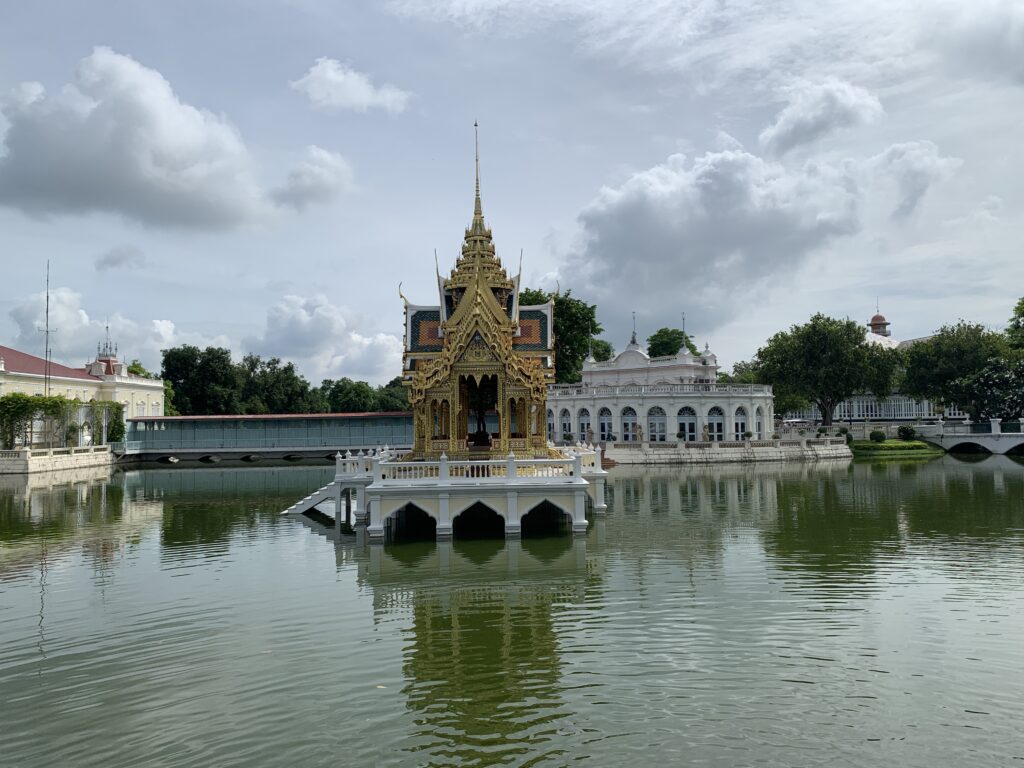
[{"x": 852, "y": 614}]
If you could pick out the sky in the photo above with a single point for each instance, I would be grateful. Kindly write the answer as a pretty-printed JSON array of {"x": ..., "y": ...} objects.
[{"x": 263, "y": 175}]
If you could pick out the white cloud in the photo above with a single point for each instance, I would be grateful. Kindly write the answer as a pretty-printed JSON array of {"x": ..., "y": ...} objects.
[
  {"x": 320, "y": 178},
  {"x": 324, "y": 341},
  {"x": 816, "y": 110},
  {"x": 119, "y": 140},
  {"x": 78, "y": 334},
  {"x": 912, "y": 168},
  {"x": 329, "y": 84},
  {"x": 984, "y": 35},
  {"x": 121, "y": 257},
  {"x": 708, "y": 235}
]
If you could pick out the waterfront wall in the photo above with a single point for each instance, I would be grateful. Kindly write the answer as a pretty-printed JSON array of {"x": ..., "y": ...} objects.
[
  {"x": 728, "y": 452},
  {"x": 27, "y": 461}
]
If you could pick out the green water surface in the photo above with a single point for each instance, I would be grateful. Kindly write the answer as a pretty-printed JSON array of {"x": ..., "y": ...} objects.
[{"x": 849, "y": 614}]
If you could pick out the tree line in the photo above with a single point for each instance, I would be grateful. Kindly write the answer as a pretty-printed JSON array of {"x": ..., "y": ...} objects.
[
  {"x": 208, "y": 382},
  {"x": 826, "y": 361}
]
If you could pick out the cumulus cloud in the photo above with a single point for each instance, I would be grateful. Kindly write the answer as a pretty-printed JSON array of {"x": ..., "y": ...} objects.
[
  {"x": 319, "y": 178},
  {"x": 329, "y": 84},
  {"x": 121, "y": 257},
  {"x": 78, "y": 333},
  {"x": 912, "y": 168},
  {"x": 816, "y": 110},
  {"x": 119, "y": 140},
  {"x": 324, "y": 341},
  {"x": 704, "y": 236}
]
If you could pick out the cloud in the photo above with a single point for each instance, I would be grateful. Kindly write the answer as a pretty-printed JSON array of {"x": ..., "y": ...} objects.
[
  {"x": 816, "y": 110},
  {"x": 78, "y": 334},
  {"x": 706, "y": 236},
  {"x": 986, "y": 36},
  {"x": 119, "y": 140},
  {"x": 320, "y": 178},
  {"x": 121, "y": 257},
  {"x": 912, "y": 167},
  {"x": 329, "y": 84},
  {"x": 323, "y": 340}
]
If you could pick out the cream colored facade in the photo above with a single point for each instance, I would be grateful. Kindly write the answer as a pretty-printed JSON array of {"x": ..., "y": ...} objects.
[{"x": 106, "y": 378}]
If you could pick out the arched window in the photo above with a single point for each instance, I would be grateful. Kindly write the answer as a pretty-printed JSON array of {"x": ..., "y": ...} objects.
[
  {"x": 628, "y": 425},
  {"x": 759, "y": 423},
  {"x": 566, "y": 423},
  {"x": 604, "y": 424},
  {"x": 740, "y": 423},
  {"x": 551, "y": 425},
  {"x": 585, "y": 434},
  {"x": 687, "y": 418},
  {"x": 656, "y": 424},
  {"x": 716, "y": 424}
]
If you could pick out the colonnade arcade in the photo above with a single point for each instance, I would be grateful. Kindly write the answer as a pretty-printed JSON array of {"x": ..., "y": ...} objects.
[{"x": 656, "y": 423}]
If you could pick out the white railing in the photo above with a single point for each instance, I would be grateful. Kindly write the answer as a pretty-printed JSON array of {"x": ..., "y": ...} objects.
[
  {"x": 384, "y": 470},
  {"x": 569, "y": 390}
]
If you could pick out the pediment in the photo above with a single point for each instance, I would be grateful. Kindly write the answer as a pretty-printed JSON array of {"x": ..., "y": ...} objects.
[{"x": 478, "y": 351}]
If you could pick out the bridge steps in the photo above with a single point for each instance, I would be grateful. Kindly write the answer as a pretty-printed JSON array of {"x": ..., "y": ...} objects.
[{"x": 327, "y": 493}]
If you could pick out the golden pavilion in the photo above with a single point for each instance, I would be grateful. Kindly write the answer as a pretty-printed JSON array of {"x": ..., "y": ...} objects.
[{"x": 478, "y": 364}]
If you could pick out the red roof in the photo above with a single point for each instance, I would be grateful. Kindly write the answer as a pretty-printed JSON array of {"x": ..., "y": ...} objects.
[
  {"x": 257, "y": 416},
  {"x": 20, "y": 362}
]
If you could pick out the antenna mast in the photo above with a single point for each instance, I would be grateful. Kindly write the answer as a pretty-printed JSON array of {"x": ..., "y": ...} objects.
[{"x": 47, "y": 330}]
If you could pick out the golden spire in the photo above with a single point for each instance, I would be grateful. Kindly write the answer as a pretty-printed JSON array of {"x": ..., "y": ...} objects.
[
  {"x": 478, "y": 208},
  {"x": 478, "y": 242}
]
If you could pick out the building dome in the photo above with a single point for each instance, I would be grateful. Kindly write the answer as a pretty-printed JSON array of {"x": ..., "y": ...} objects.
[{"x": 878, "y": 318}]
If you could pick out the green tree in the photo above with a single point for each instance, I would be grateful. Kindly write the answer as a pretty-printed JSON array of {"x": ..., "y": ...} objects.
[
  {"x": 347, "y": 396},
  {"x": 135, "y": 368},
  {"x": 997, "y": 390},
  {"x": 602, "y": 350},
  {"x": 392, "y": 396},
  {"x": 575, "y": 324},
  {"x": 1015, "y": 328},
  {"x": 743, "y": 372},
  {"x": 824, "y": 361},
  {"x": 668, "y": 341},
  {"x": 204, "y": 382},
  {"x": 939, "y": 368},
  {"x": 270, "y": 386},
  {"x": 169, "y": 408}
]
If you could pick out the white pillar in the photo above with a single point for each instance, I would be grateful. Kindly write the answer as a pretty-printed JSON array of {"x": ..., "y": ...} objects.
[
  {"x": 996, "y": 428},
  {"x": 513, "y": 525},
  {"x": 443, "y": 531},
  {"x": 579, "y": 517},
  {"x": 374, "y": 524}
]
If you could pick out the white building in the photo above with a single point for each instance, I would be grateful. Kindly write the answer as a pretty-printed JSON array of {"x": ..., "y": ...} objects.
[{"x": 636, "y": 398}]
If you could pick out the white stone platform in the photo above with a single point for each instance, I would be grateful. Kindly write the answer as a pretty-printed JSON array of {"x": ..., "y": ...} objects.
[
  {"x": 371, "y": 488},
  {"x": 804, "y": 449},
  {"x": 30, "y": 460}
]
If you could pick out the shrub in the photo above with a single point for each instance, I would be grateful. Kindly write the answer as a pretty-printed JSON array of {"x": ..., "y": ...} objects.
[
  {"x": 822, "y": 430},
  {"x": 905, "y": 432},
  {"x": 679, "y": 435},
  {"x": 748, "y": 434},
  {"x": 803, "y": 432},
  {"x": 844, "y": 430},
  {"x": 877, "y": 436},
  {"x": 775, "y": 435}
]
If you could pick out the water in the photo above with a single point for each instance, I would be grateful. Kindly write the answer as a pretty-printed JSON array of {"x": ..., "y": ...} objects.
[{"x": 851, "y": 615}]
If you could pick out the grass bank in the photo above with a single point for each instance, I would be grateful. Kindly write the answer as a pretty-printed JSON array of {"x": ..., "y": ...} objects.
[{"x": 894, "y": 448}]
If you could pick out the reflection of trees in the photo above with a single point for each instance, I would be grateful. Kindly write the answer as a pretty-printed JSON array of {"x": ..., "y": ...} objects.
[{"x": 823, "y": 525}]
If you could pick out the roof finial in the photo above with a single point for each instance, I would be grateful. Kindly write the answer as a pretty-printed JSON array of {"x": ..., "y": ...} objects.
[
  {"x": 632, "y": 339},
  {"x": 478, "y": 209}
]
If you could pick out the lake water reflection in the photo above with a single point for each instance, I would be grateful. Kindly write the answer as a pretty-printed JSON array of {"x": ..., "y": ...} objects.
[{"x": 851, "y": 614}]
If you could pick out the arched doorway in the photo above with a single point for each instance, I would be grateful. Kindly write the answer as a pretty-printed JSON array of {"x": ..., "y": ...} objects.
[
  {"x": 545, "y": 520},
  {"x": 551, "y": 425},
  {"x": 408, "y": 524},
  {"x": 566, "y": 423},
  {"x": 585, "y": 434},
  {"x": 478, "y": 522},
  {"x": 656, "y": 424},
  {"x": 716, "y": 424},
  {"x": 740, "y": 424},
  {"x": 687, "y": 418},
  {"x": 604, "y": 424},
  {"x": 629, "y": 434},
  {"x": 759, "y": 423},
  {"x": 479, "y": 396}
]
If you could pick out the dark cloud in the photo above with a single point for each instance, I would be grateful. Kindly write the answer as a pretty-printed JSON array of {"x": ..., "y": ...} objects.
[
  {"x": 121, "y": 257},
  {"x": 912, "y": 167}
]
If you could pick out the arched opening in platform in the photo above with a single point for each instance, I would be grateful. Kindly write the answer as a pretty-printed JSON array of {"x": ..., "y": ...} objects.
[
  {"x": 1017, "y": 450},
  {"x": 478, "y": 522},
  {"x": 410, "y": 523},
  {"x": 968, "y": 447},
  {"x": 545, "y": 520}
]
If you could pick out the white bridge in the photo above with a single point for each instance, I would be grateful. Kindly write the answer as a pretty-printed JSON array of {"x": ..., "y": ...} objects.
[
  {"x": 992, "y": 435},
  {"x": 377, "y": 490}
]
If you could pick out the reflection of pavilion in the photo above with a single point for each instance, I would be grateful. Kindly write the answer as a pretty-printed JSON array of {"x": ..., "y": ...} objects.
[{"x": 482, "y": 662}]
